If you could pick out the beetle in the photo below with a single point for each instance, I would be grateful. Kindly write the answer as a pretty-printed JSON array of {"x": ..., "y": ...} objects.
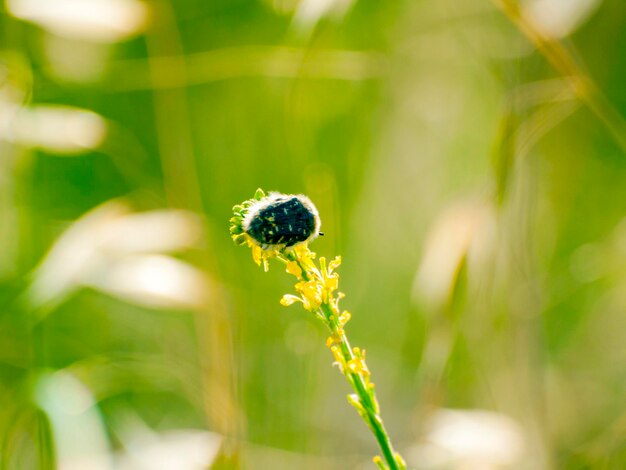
[{"x": 282, "y": 221}]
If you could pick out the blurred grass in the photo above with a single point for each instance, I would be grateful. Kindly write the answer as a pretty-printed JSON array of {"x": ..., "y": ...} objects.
[{"x": 388, "y": 117}]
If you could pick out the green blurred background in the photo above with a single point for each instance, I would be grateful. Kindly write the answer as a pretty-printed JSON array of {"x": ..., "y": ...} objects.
[{"x": 468, "y": 159}]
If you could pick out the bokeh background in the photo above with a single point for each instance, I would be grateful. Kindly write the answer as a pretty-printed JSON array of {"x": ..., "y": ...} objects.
[{"x": 468, "y": 159}]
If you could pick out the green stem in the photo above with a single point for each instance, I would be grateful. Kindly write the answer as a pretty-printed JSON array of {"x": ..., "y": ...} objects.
[{"x": 366, "y": 397}]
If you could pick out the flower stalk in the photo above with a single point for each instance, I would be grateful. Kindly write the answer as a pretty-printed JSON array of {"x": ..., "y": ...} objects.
[{"x": 317, "y": 289}]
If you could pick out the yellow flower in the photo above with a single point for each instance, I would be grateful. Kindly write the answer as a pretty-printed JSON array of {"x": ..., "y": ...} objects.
[
  {"x": 357, "y": 363},
  {"x": 306, "y": 257},
  {"x": 339, "y": 360},
  {"x": 331, "y": 283},
  {"x": 303, "y": 252},
  {"x": 311, "y": 294},
  {"x": 334, "y": 264},
  {"x": 293, "y": 268},
  {"x": 257, "y": 254},
  {"x": 289, "y": 299},
  {"x": 335, "y": 338},
  {"x": 327, "y": 280}
]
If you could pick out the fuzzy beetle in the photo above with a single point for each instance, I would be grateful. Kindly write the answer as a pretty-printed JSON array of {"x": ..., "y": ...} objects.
[{"x": 282, "y": 221}]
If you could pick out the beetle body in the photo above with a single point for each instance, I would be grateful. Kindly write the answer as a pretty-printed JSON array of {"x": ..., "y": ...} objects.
[{"x": 282, "y": 220}]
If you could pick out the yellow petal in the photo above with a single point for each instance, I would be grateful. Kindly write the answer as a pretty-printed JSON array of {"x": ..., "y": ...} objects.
[
  {"x": 334, "y": 264},
  {"x": 331, "y": 283},
  {"x": 294, "y": 269},
  {"x": 257, "y": 254},
  {"x": 289, "y": 299},
  {"x": 311, "y": 293},
  {"x": 357, "y": 366},
  {"x": 337, "y": 354},
  {"x": 322, "y": 262}
]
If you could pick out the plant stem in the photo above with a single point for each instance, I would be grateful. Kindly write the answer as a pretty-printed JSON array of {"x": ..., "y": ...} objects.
[
  {"x": 366, "y": 404},
  {"x": 366, "y": 397}
]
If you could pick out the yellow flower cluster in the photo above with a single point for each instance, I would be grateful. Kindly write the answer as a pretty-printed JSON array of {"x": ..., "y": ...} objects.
[
  {"x": 315, "y": 286},
  {"x": 317, "y": 289},
  {"x": 259, "y": 255}
]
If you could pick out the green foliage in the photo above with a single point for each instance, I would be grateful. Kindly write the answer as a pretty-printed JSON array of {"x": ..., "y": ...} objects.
[{"x": 466, "y": 158}]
